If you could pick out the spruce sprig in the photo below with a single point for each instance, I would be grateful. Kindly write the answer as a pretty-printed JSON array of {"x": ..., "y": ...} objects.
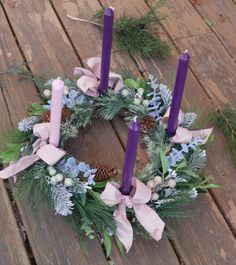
[
  {"x": 226, "y": 122},
  {"x": 135, "y": 35}
]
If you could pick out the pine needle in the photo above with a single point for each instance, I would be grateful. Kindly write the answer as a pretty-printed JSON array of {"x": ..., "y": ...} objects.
[
  {"x": 135, "y": 35},
  {"x": 226, "y": 122}
]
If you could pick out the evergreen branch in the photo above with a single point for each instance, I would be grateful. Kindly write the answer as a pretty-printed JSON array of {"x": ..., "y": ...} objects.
[
  {"x": 22, "y": 72},
  {"x": 226, "y": 122},
  {"x": 109, "y": 105},
  {"x": 134, "y": 35}
]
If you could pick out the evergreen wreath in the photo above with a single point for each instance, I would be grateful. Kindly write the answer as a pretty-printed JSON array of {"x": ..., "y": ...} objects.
[{"x": 72, "y": 188}]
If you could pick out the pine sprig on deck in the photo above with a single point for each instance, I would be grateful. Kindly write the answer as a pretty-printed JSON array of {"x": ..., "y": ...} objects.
[
  {"x": 226, "y": 121},
  {"x": 135, "y": 35}
]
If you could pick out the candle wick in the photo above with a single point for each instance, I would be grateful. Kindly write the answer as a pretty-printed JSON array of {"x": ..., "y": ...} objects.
[
  {"x": 186, "y": 51},
  {"x": 84, "y": 20}
]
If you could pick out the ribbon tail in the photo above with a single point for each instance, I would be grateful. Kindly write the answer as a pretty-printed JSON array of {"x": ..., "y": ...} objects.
[
  {"x": 205, "y": 134},
  {"x": 150, "y": 220},
  {"x": 18, "y": 166},
  {"x": 124, "y": 230},
  {"x": 182, "y": 136}
]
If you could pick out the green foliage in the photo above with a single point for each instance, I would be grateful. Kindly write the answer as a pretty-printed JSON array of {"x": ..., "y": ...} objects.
[
  {"x": 135, "y": 35},
  {"x": 164, "y": 163},
  {"x": 32, "y": 182},
  {"x": 13, "y": 142},
  {"x": 138, "y": 111},
  {"x": 12, "y": 153},
  {"x": 107, "y": 243},
  {"x": 132, "y": 83},
  {"x": 23, "y": 72},
  {"x": 109, "y": 105},
  {"x": 36, "y": 109},
  {"x": 175, "y": 208},
  {"x": 81, "y": 115},
  {"x": 226, "y": 122}
]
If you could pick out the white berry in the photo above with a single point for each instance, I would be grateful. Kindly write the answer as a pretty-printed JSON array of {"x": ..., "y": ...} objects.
[
  {"x": 146, "y": 103},
  {"x": 69, "y": 182},
  {"x": 125, "y": 93},
  {"x": 66, "y": 90},
  {"x": 171, "y": 183},
  {"x": 158, "y": 180},
  {"x": 47, "y": 93},
  {"x": 59, "y": 177},
  {"x": 137, "y": 101},
  {"x": 155, "y": 196},
  {"x": 49, "y": 168},
  {"x": 140, "y": 90},
  {"x": 53, "y": 180},
  {"x": 52, "y": 172},
  {"x": 151, "y": 184}
]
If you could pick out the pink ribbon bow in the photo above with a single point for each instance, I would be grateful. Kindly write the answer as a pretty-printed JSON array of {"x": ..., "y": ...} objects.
[
  {"x": 41, "y": 150},
  {"x": 183, "y": 135},
  {"x": 89, "y": 80},
  {"x": 147, "y": 217}
]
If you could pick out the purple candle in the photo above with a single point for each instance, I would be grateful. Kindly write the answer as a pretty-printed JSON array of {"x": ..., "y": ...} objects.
[
  {"x": 106, "y": 49},
  {"x": 56, "y": 109},
  {"x": 130, "y": 156},
  {"x": 178, "y": 93}
]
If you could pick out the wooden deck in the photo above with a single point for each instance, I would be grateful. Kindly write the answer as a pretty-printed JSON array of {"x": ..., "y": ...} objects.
[{"x": 39, "y": 33}]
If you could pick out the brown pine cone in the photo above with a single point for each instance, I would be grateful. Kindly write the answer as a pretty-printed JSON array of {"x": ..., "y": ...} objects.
[
  {"x": 104, "y": 172},
  {"x": 64, "y": 115},
  {"x": 148, "y": 123}
]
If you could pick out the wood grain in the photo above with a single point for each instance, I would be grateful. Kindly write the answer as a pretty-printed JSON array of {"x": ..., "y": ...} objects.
[
  {"x": 210, "y": 61},
  {"x": 85, "y": 40},
  {"x": 12, "y": 249},
  {"x": 220, "y": 17},
  {"x": 43, "y": 40}
]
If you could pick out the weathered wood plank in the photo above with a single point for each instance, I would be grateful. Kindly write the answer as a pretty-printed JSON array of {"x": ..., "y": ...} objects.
[
  {"x": 12, "y": 249},
  {"x": 52, "y": 240},
  {"x": 166, "y": 69},
  {"x": 84, "y": 37},
  {"x": 211, "y": 63},
  {"x": 220, "y": 17}
]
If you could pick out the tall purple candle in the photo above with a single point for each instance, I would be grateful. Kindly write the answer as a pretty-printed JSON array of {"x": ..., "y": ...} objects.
[
  {"x": 130, "y": 156},
  {"x": 106, "y": 49},
  {"x": 178, "y": 93}
]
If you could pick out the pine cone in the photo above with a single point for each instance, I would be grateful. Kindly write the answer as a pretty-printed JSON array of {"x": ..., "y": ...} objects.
[
  {"x": 64, "y": 115},
  {"x": 148, "y": 123},
  {"x": 104, "y": 172}
]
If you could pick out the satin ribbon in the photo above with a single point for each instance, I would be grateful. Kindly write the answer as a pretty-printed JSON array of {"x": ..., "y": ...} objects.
[
  {"x": 183, "y": 135},
  {"x": 147, "y": 217},
  {"x": 89, "y": 80},
  {"x": 41, "y": 150}
]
